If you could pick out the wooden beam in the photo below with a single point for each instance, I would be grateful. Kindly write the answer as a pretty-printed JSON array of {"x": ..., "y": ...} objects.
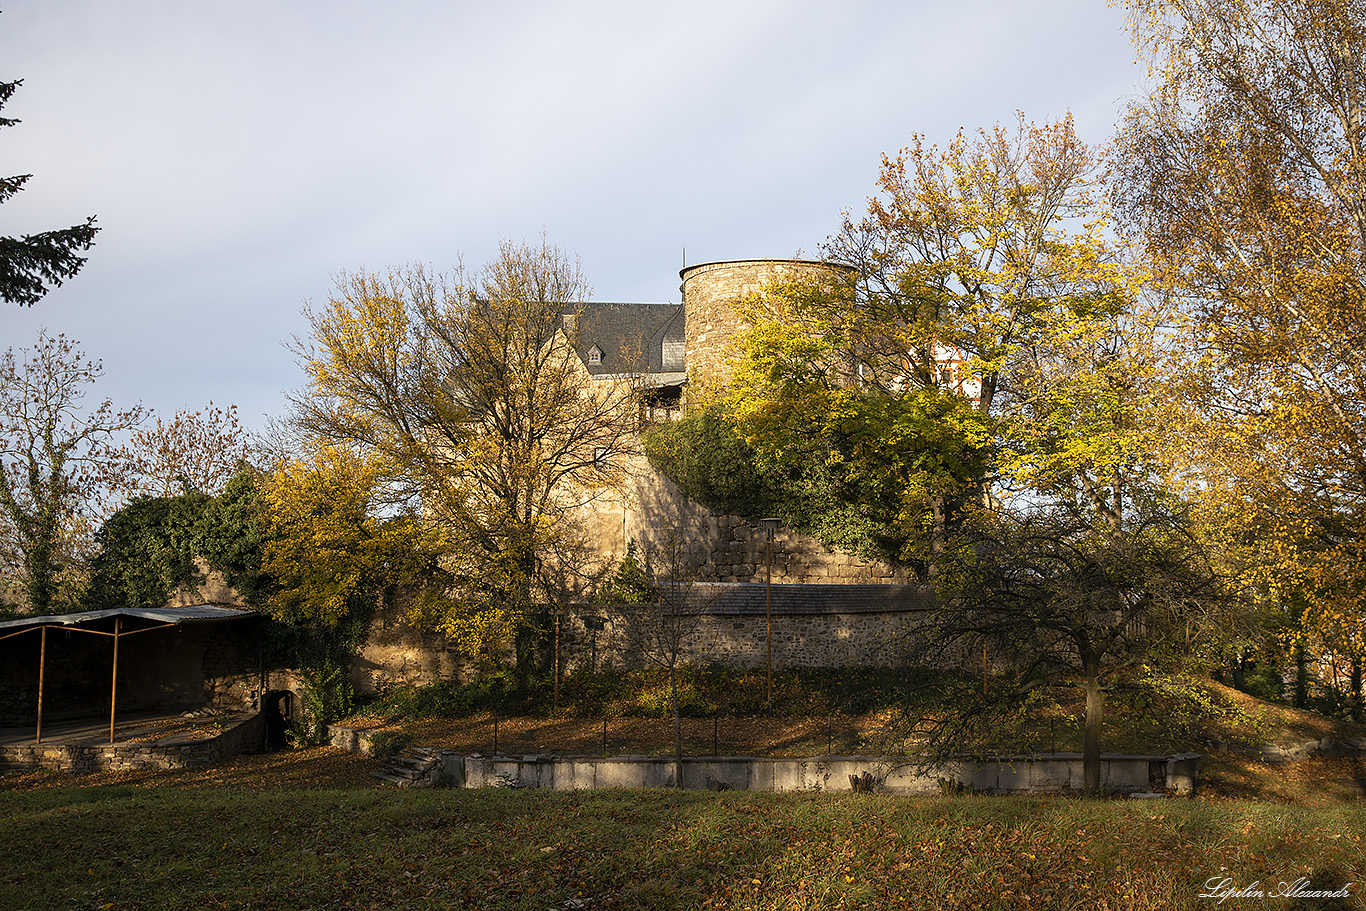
[{"x": 114, "y": 681}]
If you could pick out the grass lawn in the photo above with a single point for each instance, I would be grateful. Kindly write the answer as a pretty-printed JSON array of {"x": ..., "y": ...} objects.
[
  {"x": 310, "y": 828},
  {"x": 190, "y": 840}
]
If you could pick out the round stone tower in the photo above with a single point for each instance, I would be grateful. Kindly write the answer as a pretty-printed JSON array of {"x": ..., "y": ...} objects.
[{"x": 710, "y": 292}]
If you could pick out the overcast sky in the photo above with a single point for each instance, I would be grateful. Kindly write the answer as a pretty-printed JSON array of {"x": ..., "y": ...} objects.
[{"x": 238, "y": 155}]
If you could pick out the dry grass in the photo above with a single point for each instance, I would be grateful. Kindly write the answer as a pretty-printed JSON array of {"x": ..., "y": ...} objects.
[{"x": 138, "y": 849}]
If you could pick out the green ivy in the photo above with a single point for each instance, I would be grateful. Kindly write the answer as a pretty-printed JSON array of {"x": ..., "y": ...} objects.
[
  {"x": 146, "y": 550},
  {"x": 705, "y": 456}
]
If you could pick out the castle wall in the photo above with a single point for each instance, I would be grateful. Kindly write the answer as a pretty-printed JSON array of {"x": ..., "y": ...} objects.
[
  {"x": 398, "y": 652},
  {"x": 652, "y": 507},
  {"x": 833, "y": 637}
]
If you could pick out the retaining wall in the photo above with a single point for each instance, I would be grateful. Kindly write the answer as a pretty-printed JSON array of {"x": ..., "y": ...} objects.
[
  {"x": 1057, "y": 773},
  {"x": 246, "y": 736},
  {"x": 1041, "y": 774}
]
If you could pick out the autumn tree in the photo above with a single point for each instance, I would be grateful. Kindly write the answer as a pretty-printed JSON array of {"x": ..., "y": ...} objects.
[
  {"x": 885, "y": 395},
  {"x": 32, "y": 265},
  {"x": 55, "y": 463},
  {"x": 332, "y": 553},
  {"x": 1242, "y": 174},
  {"x": 465, "y": 388},
  {"x": 1088, "y": 574},
  {"x": 1054, "y": 601},
  {"x": 193, "y": 451}
]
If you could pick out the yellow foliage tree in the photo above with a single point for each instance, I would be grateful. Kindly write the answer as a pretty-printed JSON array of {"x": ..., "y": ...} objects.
[
  {"x": 965, "y": 356},
  {"x": 329, "y": 553},
  {"x": 1242, "y": 172},
  {"x": 467, "y": 392}
]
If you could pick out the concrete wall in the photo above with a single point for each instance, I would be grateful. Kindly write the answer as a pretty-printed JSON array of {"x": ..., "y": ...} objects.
[
  {"x": 1045, "y": 773},
  {"x": 1059, "y": 773}
]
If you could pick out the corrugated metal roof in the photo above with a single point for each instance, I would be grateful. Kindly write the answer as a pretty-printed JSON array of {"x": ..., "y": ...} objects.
[{"x": 155, "y": 614}]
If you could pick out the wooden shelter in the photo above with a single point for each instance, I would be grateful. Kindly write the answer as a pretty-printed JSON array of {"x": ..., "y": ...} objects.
[{"x": 116, "y": 624}]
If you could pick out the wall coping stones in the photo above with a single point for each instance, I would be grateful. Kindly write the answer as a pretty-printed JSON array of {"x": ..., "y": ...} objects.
[
  {"x": 1023, "y": 774},
  {"x": 797, "y": 599}
]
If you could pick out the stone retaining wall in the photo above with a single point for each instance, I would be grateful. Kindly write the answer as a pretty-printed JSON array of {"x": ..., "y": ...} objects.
[
  {"x": 813, "y": 626},
  {"x": 245, "y": 736}
]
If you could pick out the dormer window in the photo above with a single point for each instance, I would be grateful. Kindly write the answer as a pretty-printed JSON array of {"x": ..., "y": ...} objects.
[
  {"x": 571, "y": 323},
  {"x": 594, "y": 356}
]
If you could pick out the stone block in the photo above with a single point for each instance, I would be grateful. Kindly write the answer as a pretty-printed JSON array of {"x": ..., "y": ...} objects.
[
  {"x": 1053, "y": 775},
  {"x": 1124, "y": 775}
]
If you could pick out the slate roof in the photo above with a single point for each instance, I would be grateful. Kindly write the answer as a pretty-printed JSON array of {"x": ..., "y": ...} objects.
[{"x": 633, "y": 338}]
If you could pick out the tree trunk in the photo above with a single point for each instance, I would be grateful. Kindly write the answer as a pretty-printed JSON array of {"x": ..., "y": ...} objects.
[
  {"x": 38, "y": 563},
  {"x": 529, "y": 633},
  {"x": 1356, "y": 687},
  {"x": 1301, "y": 677},
  {"x": 1095, "y": 708}
]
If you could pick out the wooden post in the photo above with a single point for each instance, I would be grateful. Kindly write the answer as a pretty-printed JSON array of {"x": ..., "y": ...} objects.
[
  {"x": 114, "y": 681},
  {"x": 42, "y": 668},
  {"x": 768, "y": 613},
  {"x": 557, "y": 657}
]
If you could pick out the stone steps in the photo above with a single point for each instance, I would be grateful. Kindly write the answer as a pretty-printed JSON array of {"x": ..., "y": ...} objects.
[{"x": 415, "y": 767}]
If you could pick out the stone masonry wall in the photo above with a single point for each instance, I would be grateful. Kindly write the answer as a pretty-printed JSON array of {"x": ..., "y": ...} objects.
[
  {"x": 246, "y": 735},
  {"x": 399, "y": 652},
  {"x": 610, "y": 636},
  {"x": 652, "y": 507},
  {"x": 710, "y": 292}
]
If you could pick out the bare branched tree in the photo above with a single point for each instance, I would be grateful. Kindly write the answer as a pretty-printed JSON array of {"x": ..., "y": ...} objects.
[
  {"x": 193, "y": 451},
  {"x": 467, "y": 388},
  {"x": 661, "y": 629},
  {"x": 57, "y": 472},
  {"x": 1051, "y": 602}
]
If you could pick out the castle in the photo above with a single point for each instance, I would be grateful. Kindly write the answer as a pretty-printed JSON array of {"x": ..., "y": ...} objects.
[
  {"x": 828, "y": 608},
  {"x": 669, "y": 346},
  {"x": 823, "y": 609}
]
